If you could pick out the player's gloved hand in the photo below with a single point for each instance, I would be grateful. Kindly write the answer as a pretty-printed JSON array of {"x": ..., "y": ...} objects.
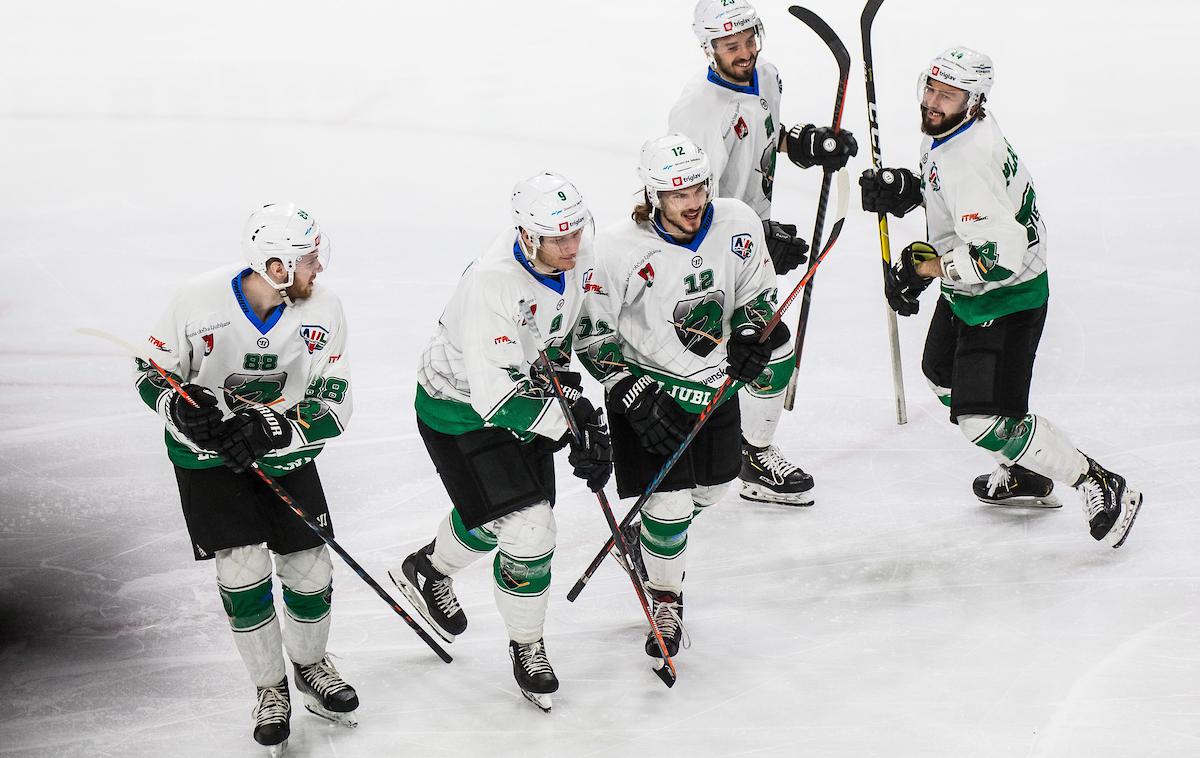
[
  {"x": 903, "y": 285},
  {"x": 890, "y": 190},
  {"x": 591, "y": 457},
  {"x": 659, "y": 422},
  {"x": 810, "y": 145},
  {"x": 250, "y": 434},
  {"x": 200, "y": 425},
  {"x": 747, "y": 356},
  {"x": 787, "y": 250}
]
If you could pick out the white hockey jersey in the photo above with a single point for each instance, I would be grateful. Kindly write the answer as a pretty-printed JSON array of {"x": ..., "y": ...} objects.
[
  {"x": 739, "y": 129},
  {"x": 295, "y": 361},
  {"x": 656, "y": 306},
  {"x": 981, "y": 209},
  {"x": 475, "y": 371}
]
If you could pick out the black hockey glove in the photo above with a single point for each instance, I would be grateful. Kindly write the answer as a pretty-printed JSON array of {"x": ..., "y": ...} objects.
[
  {"x": 592, "y": 456},
  {"x": 659, "y": 422},
  {"x": 572, "y": 386},
  {"x": 200, "y": 425},
  {"x": 787, "y": 250},
  {"x": 251, "y": 433},
  {"x": 746, "y": 355},
  {"x": 810, "y": 145},
  {"x": 903, "y": 285},
  {"x": 890, "y": 190}
]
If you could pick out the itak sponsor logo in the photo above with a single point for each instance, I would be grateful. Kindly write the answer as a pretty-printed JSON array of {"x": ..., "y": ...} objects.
[
  {"x": 647, "y": 273},
  {"x": 590, "y": 286},
  {"x": 208, "y": 343},
  {"x": 742, "y": 245},
  {"x": 973, "y": 217},
  {"x": 159, "y": 344},
  {"x": 503, "y": 339},
  {"x": 314, "y": 337}
]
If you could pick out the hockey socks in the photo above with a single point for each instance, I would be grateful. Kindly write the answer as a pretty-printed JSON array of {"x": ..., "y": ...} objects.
[
  {"x": 1030, "y": 441},
  {"x": 244, "y": 581}
]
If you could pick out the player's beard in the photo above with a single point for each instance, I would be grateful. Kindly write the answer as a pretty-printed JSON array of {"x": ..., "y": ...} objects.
[
  {"x": 300, "y": 291},
  {"x": 947, "y": 124},
  {"x": 736, "y": 78}
]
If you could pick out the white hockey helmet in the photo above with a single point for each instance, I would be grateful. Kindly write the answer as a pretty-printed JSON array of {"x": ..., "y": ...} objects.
[
  {"x": 961, "y": 67},
  {"x": 548, "y": 205},
  {"x": 671, "y": 163},
  {"x": 286, "y": 232},
  {"x": 713, "y": 19}
]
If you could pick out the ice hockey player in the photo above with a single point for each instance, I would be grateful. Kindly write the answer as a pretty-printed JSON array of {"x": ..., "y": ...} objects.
[
  {"x": 732, "y": 111},
  {"x": 491, "y": 424},
  {"x": 987, "y": 247},
  {"x": 677, "y": 300},
  {"x": 261, "y": 349}
]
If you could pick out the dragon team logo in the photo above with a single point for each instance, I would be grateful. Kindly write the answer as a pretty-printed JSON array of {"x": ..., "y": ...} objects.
[
  {"x": 314, "y": 337},
  {"x": 742, "y": 245},
  {"x": 647, "y": 273},
  {"x": 699, "y": 322}
]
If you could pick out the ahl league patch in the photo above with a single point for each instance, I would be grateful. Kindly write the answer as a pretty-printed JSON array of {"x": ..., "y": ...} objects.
[{"x": 314, "y": 337}]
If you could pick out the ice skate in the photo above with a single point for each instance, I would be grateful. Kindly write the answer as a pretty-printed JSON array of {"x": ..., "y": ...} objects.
[
  {"x": 1016, "y": 486},
  {"x": 325, "y": 693},
  {"x": 668, "y": 617},
  {"x": 431, "y": 592},
  {"x": 1110, "y": 507},
  {"x": 768, "y": 477},
  {"x": 531, "y": 669},
  {"x": 633, "y": 539},
  {"x": 272, "y": 718}
]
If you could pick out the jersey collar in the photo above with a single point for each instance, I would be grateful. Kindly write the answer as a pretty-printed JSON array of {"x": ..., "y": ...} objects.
[
  {"x": 943, "y": 140},
  {"x": 262, "y": 326},
  {"x": 716, "y": 79},
  {"x": 694, "y": 245},
  {"x": 556, "y": 282}
]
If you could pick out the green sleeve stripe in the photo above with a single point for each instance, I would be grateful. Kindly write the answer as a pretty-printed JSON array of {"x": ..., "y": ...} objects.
[{"x": 520, "y": 413}]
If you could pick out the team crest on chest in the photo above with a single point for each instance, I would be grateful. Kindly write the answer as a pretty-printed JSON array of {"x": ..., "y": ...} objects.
[
  {"x": 742, "y": 245},
  {"x": 647, "y": 273},
  {"x": 314, "y": 337},
  {"x": 740, "y": 128},
  {"x": 207, "y": 339}
]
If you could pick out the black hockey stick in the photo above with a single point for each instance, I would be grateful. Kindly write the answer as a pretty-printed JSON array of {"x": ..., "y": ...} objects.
[
  {"x": 839, "y": 101},
  {"x": 666, "y": 668},
  {"x": 289, "y": 501},
  {"x": 868, "y": 17},
  {"x": 715, "y": 401}
]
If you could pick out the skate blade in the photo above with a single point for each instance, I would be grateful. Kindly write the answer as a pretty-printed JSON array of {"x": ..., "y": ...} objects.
[
  {"x": 1131, "y": 503},
  {"x": 758, "y": 494},
  {"x": 541, "y": 700},
  {"x": 1030, "y": 501},
  {"x": 348, "y": 720},
  {"x": 418, "y": 602},
  {"x": 277, "y": 751},
  {"x": 664, "y": 672}
]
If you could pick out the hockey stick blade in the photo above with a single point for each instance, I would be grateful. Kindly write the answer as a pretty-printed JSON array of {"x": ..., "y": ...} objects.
[{"x": 825, "y": 32}]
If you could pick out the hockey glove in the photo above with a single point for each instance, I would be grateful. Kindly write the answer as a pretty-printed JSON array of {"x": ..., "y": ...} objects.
[
  {"x": 250, "y": 434},
  {"x": 592, "y": 456},
  {"x": 572, "y": 384},
  {"x": 746, "y": 355},
  {"x": 787, "y": 250},
  {"x": 810, "y": 145},
  {"x": 659, "y": 422},
  {"x": 903, "y": 285},
  {"x": 890, "y": 190},
  {"x": 200, "y": 425}
]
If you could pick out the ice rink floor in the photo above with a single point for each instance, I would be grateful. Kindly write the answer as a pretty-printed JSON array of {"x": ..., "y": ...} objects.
[{"x": 896, "y": 617}]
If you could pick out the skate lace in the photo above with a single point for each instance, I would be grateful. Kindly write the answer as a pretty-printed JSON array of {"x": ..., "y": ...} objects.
[
  {"x": 323, "y": 677},
  {"x": 443, "y": 595},
  {"x": 776, "y": 464},
  {"x": 1093, "y": 497},
  {"x": 533, "y": 659},
  {"x": 999, "y": 480},
  {"x": 273, "y": 706},
  {"x": 666, "y": 618}
]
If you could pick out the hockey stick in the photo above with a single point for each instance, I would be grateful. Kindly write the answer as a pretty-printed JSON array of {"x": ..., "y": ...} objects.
[
  {"x": 839, "y": 101},
  {"x": 868, "y": 17},
  {"x": 715, "y": 401},
  {"x": 285, "y": 498},
  {"x": 666, "y": 669}
]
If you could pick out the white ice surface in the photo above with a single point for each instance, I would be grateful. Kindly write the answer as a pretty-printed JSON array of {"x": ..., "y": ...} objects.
[{"x": 896, "y": 617}]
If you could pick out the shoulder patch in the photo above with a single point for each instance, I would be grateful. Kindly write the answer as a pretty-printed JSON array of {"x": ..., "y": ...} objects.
[{"x": 742, "y": 245}]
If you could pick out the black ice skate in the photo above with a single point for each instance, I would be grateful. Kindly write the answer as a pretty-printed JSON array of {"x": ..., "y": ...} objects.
[
  {"x": 633, "y": 538},
  {"x": 272, "y": 718},
  {"x": 531, "y": 669},
  {"x": 1110, "y": 507},
  {"x": 668, "y": 617},
  {"x": 325, "y": 693},
  {"x": 1016, "y": 486},
  {"x": 432, "y": 593},
  {"x": 768, "y": 477}
]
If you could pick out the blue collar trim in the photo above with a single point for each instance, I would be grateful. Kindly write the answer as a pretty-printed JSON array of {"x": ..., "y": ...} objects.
[
  {"x": 943, "y": 140},
  {"x": 556, "y": 282},
  {"x": 694, "y": 245},
  {"x": 272, "y": 318},
  {"x": 716, "y": 79}
]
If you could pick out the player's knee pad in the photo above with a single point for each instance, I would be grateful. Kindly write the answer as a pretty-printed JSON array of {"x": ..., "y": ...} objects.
[
  {"x": 665, "y": 521},
  {"x": 706, "y": 495},
  {"x": 244, "y": 583},
  {"x": 307, "y": 579},
  {"x": 943, "y": 393},
  {"x": 1003, "y": 435},
  {"x": 526, "y": 539}
]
